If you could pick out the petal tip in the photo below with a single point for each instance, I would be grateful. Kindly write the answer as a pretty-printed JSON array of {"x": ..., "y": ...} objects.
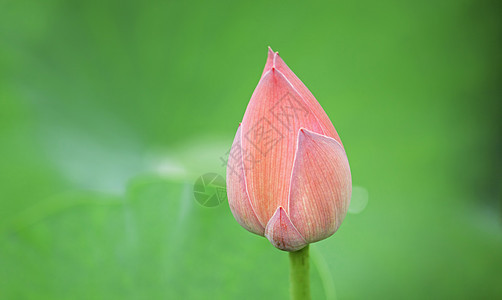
[
  {"x": 270, "y": 64},
  {"x": 282, "y": 233}
]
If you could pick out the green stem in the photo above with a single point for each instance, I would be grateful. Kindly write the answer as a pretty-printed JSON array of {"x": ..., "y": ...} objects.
[{"x": 299, "y": 274}]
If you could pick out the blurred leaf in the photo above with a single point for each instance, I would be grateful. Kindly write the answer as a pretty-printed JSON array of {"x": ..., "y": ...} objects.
[{"x": 154, "y": 243}]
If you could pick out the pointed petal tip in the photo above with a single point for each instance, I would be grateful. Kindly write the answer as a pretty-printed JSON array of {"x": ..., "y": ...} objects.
[
  {"x": 282, "y": 233},
  {"x": 308, "y": 133},
  {"x": 270, "y": 64},
  {"x": 272, "y": 52},
  {"x": 303, "y": 133},
  {"x": 270, "y": 59}
]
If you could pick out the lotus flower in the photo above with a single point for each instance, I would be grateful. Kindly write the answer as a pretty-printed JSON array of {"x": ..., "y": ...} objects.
[{"x": 288, "y": 177}]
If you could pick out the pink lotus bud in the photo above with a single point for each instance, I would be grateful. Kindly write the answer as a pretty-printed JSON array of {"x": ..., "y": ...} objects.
[{"x": 288, "y": 177}]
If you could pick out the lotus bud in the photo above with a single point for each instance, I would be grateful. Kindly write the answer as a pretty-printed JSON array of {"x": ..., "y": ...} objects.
[{"x": 288, "y": 177}]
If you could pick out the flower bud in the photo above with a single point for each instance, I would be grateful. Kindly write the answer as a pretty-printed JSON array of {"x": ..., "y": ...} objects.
[{"x": 288, "y": 177}]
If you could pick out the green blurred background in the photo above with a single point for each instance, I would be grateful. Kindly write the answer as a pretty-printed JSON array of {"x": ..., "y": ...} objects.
[{"x": 109, "y": 111}]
